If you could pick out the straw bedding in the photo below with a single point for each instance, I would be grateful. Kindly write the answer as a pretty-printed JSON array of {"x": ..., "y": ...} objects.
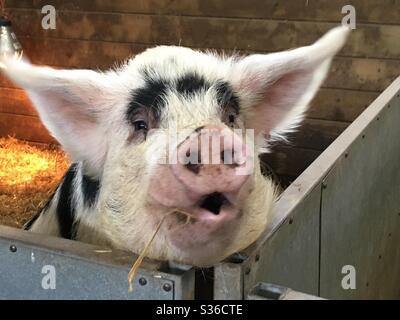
[{"x": 28, "y": 176}]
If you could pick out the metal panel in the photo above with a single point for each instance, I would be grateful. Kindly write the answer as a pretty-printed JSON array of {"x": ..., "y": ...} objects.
[
  {"x": 228, "y": 282},
  {"x": 360, "y": 206},
  {"x": 82, "y": 271},
  {"x": 290, "y": 257},
  {"x": 267, "y": 291}
]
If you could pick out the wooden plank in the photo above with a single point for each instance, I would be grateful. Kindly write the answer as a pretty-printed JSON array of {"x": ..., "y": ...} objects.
[
  {"x": 24, "y": 127},
  {"x": 244, "y": 34},
  {"x": 375, "y": 11},
  {"x": 77, "y": 53},
  {"x": 362, "y": 74},
  {"x": 373, "y": 41},
  {"x": 316, "y": 134},
  {"x": 15, "y": 101},
  {"x": 339, "y": 104},
  {"x": 289, "y": 161},
  {"x": 141, "y": 29}
]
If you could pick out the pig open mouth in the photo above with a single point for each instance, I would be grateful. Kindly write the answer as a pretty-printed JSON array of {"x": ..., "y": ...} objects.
[
  {"x": 117, "y": 193},
  {"x": 211, "y": 213},
  {"x": 214, "y": 202}
]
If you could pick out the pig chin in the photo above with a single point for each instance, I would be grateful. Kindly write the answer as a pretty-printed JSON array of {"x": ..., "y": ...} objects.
[{"x": 203, "y": 238}]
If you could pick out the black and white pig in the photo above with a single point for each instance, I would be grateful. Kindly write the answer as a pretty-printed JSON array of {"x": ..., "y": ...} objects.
[{"x": 116, "y": 127}]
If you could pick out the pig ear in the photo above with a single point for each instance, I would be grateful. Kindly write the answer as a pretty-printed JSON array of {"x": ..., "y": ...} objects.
[
  {"x": 275, "y": 89},
  {"x": 70, "y": 104}
]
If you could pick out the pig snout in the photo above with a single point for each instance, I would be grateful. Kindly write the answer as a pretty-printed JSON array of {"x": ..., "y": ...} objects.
[
  {"x": 210, "y": 160},
  {"x": 208, "y": 177}
]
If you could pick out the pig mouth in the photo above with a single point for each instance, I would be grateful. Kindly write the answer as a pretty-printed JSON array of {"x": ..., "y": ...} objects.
[
  {"x": 212, "y": 210},
  {"x": 208, "y": 215},
  {"x": 214, "y": 202}
]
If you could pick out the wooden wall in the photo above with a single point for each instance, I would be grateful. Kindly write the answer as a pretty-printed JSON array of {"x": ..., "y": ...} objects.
[{"x": 96, "y": 33}]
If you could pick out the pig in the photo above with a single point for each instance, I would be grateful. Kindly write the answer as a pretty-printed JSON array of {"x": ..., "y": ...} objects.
[{"x": 116, "y": 127}]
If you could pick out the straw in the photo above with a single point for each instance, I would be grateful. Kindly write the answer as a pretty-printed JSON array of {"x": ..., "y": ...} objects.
[{"x": 142, "y": 255}]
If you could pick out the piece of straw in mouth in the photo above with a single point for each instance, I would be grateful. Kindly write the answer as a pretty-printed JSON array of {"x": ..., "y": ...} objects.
[{"x": 140, "y": 258}]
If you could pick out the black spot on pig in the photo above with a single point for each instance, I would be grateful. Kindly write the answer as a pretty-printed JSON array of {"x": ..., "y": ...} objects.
[
  {"x": 226, "y": 96},
  {"x": 90, "y": 190},
  {"x": 65, "y": 206},
  {"x": 150, "y": 97},
  {"x": 191, "y": 84}
]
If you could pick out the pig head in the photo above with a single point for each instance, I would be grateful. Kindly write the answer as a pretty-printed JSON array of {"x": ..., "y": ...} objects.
[{"x": 173, "y": 130}]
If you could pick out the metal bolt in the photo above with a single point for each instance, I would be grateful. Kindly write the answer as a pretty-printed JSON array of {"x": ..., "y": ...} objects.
[
  {"x": 167, "y": 287},
  {"x": 13, "y": 248},
  {"x": 247, "y": 271},
  {"x": 324, "y": 185},
  {"x": 257, "y": 257},
  {"x": 142, "y": 281}
]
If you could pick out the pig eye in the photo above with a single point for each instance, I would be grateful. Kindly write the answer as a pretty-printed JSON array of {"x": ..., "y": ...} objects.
[{"x": 140, "y": 125}]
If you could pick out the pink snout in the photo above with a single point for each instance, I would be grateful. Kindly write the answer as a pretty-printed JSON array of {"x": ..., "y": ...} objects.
[
  {"x": 211, "y": 173},
  {"x": 211, "y": 160}
]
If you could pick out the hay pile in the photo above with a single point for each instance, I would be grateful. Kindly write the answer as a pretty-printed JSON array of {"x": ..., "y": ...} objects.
[{"x": 28, "y": 176}]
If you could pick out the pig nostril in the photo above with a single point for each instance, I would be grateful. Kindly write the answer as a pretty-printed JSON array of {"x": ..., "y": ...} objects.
[
  {"x": 194, "y": 161},
  {"x": 195, "y": 168},
  {"x": 227, "y": 158}
]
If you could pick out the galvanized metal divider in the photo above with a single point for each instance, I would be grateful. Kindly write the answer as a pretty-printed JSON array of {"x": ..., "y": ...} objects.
[
  {"x": 34, "y": 266},
  {"x": 266, "y": 291},
  {"x": 360, "y": 208},
  {"x": 343, "y": 210}
]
